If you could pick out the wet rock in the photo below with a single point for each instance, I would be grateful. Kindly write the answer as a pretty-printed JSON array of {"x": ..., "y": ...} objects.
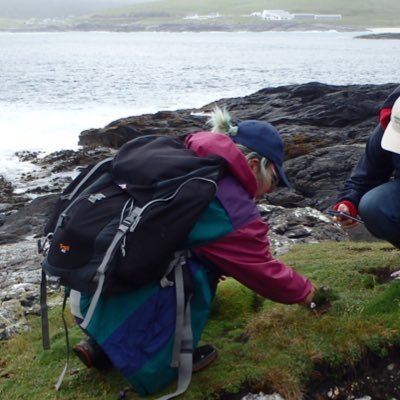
[
  {"x": 317, "y": 177},
  {"x": 114, "y": 135},
  {"x": 9, "y": 200},
  {"x": 68, "y": 160},
  {"x": 12, "y": 319},
  {"x": 309, "y": 116},
  {"x": 28, "y": 221},
  {"x": 290, "y": 226},
  {"x": 20, "y": 276}
]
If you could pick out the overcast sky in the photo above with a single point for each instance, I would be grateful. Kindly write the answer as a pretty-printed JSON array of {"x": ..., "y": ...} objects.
[{"x": 56, "y": 8}]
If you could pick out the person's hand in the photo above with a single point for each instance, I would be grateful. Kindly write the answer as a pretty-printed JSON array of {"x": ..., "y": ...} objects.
[
  {"x": 346, "y": 223},
  {"x": 321, "y": 300}
]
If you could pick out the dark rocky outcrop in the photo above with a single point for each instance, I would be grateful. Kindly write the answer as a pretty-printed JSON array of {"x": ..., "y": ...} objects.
[
  {"x": 386, "y": 35},
  {"x": 324, "y": 128},
  {"x": 309, "y": 116},
  {"x": 28, "y": 221}
]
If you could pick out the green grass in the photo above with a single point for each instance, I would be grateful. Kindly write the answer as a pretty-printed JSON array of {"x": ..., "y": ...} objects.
[
  {"x": 269, "y": 346},
  {"x": 6, "y": 23},
  {"x": 357, "y": 12}
]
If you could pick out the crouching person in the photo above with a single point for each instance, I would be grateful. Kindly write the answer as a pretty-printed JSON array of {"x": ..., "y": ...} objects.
[
  {"x": 136, "y": 330},
  {"x": 373, "y": 189}
]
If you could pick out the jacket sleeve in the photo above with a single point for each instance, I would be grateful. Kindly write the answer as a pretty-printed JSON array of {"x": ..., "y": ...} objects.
[
  {"x": 373, "y": 169},
  {"x": 244, "y": 255}
]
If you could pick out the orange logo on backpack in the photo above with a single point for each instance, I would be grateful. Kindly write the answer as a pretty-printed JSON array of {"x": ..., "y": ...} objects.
[{"x": 64, "y": 247}]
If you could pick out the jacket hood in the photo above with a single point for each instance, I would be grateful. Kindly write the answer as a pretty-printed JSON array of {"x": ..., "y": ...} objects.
[{"x": 211, "y": 143}]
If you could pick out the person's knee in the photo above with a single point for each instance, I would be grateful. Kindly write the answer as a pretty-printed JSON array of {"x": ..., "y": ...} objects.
[
  {"x": 372, "y": 215},
  {"x": 378, "y": 220},
  {"x": 369, "y": 209}
]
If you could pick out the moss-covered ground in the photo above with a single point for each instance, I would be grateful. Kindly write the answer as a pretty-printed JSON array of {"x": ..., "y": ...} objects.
[{"x": 262, "y": 345}]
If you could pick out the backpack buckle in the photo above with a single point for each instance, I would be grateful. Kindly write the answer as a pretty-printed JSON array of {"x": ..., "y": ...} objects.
[
  {"x": 54, "y": 282},
  {"x": 165, "y": 282},
  {"x": 44, "y": 245}
]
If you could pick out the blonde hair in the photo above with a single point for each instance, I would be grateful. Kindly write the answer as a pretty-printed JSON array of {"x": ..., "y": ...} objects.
[{"x": 221, "y": 121}]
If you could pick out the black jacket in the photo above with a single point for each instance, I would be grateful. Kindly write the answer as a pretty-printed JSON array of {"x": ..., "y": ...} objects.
[{"x": 376, "y": 166}]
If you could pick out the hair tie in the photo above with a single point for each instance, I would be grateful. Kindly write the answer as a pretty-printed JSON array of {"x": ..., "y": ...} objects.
[{"x": 233, "y": 130}]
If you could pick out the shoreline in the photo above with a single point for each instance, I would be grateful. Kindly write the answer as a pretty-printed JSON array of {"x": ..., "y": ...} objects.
[
  {"x": 10, "y": 31},
  {"x": 186, "y": 29},
  {"x": 272, "y": 26}
]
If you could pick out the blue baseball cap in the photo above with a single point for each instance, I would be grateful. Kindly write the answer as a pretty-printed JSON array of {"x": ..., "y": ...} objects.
[{"x": 265, "y": 140}]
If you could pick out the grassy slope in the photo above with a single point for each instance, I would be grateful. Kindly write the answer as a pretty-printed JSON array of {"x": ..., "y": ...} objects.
[
  {"x": 370, "y": 13},
  {"x": 363, "y": 12},
  {"x": 6, "y": 23},
  {"x": 275, "y": 347}
]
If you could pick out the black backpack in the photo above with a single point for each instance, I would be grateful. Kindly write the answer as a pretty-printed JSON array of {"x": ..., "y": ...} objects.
[
  {"x": 144, "y": 202},
  {"x": 122, "y": 224},
  {"x": 119, "y": 224}
]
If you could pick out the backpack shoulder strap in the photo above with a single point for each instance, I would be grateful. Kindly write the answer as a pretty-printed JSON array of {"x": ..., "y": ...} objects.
[
  {"x": 182, "y": 355},
  {"x": 129, "y": 223},
  {"x": 185, "y": 358},
  {"x": 44, "y": 312},
  {"x": 65, "y": 369},
  {"x": 44, "y": 316}
]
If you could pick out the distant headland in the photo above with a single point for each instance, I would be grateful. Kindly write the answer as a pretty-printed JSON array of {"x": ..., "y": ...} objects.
[{"x": 386, "y": 35}]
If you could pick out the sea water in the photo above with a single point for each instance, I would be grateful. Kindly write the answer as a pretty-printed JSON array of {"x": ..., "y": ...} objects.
[{"x": 54, "y": 85}]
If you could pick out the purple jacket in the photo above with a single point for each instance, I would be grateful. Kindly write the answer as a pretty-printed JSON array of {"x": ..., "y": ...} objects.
[{"x": 242, "y": 252}]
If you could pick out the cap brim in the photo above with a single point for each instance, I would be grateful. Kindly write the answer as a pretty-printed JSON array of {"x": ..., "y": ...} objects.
[
  {"x": 283, "y": 181},
  {"x": 391, "y": 139}
]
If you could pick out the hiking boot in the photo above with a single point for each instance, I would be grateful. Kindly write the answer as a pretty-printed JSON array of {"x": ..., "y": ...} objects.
[
  {"x": 91, "y": 354},
  {"x": 203, "y": 356}
]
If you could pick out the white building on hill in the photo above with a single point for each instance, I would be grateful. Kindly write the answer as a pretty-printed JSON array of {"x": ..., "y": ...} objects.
[{"x": 276, "y": 15}]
